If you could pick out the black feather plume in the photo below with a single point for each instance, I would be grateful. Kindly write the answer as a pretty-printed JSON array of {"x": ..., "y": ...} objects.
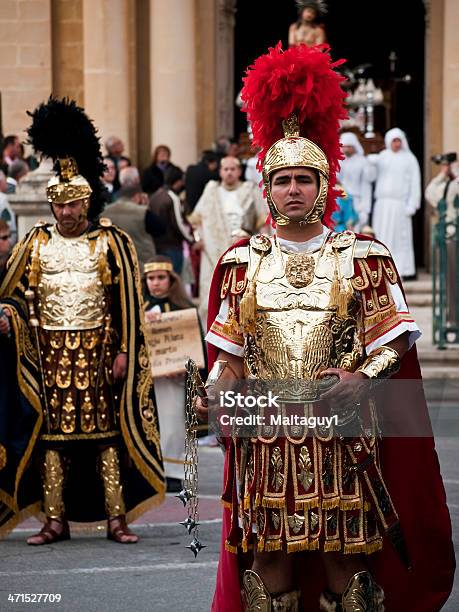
[{"x": 60, "y": 128}]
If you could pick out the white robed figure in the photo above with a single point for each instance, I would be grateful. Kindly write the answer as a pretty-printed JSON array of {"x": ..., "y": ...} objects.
[
  {"x": 226, "y": 212},
  {"x": 397, "y": 198},
  {"x": 356, "y": 175}
]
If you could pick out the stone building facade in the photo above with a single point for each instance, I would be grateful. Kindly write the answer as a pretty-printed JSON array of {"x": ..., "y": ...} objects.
[
  {"x": 147, "y": 71},
  {"x": 157, "y": 72}
]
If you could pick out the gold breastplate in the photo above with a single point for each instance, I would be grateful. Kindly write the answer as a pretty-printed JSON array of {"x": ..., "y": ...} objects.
[
  {"x": 70, "y": 292},
  {"x": 298, "y": 333}
]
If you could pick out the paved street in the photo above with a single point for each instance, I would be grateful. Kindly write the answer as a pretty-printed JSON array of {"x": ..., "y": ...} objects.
[{"x": 158, "y": 574}]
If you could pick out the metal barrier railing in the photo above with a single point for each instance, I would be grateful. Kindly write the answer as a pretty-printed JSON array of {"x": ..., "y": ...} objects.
[{"x": 445, "y": 270}]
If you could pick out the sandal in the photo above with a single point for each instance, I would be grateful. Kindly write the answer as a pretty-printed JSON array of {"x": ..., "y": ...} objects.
[
  {"x": 118, "y": 531},
  {"x": 48, "y": 535}
]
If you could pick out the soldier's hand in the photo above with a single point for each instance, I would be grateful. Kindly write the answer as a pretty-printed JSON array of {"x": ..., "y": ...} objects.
[
  {"x": 120, "y": 366},
  {"x": 202, "y": 408},
  {"x": 348, "y": 390}
]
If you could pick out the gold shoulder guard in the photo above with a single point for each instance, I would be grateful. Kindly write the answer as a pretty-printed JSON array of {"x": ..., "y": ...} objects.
[
  {"x": 370, "y": 248},
  {"x": 238, "y": 255}
]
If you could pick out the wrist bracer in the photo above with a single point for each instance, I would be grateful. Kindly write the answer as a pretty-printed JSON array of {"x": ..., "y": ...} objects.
[{"x": 381, "y": 364}]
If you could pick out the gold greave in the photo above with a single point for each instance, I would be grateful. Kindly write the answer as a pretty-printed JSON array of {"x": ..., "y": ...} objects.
[
  {"x": 53, "y": 485},
  {"x": 258, "y": 599},
  {"x": 111, "y": 476},
  {"x": 256, "y": 596},
  {"x": 362, "y": 594}
]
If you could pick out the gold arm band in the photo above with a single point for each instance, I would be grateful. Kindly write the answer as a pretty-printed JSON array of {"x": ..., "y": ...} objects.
[
  {"x": 381, "y": 363},
  {"x": 155, "y": 266}
]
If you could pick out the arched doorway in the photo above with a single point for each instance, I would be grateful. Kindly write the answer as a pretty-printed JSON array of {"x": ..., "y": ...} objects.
[{"x": 361, "y": 35}]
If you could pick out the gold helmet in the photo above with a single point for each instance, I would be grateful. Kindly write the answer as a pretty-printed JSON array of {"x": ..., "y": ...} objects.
[
  {"x": 295, "y": 102},
  {"x": 295, "y": 151},
  {"x": 68, "y": 185},
  {"x": 62, "y": 131}
]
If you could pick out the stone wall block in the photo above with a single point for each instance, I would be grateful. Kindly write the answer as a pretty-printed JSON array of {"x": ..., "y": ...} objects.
[
  {"x": 8, "y": 55},
  {"x": 34, "y": 10},
  {"x": 16, "y": 31},
  {"x": 34, "y": 55},
  {"x": 9, "y": 10}
]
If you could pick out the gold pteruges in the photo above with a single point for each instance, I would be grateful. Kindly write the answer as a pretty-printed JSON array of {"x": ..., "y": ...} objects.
[
  {"x": 69, "y": 185},
  {"x": 294, "y": 151}
]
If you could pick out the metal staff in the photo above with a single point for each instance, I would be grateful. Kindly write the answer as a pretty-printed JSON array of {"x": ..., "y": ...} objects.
[{"x": 189, "y": 493}]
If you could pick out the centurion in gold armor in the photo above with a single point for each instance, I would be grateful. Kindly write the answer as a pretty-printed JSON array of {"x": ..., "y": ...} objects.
[
  {"x": 79, "y": 402},
  {"x": 301, "y": 309}
]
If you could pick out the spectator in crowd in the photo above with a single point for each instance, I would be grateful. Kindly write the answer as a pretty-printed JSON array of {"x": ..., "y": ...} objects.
[
  {"x": 129, "y": 212},
  {"x": 166, "y": 204},
  {"x": 108, "y": 178},
  {"x": 129, "y": 177},
  {"x": 233, "y": 149},
  {"x": 153, "y": 176},
  {"x": 5, "y": 244},
  {"x": 435, "y": 190},
  {"x": 221, "y": 146},
  {"x": 446, "y": 184},
  {"x": 11, "y": 149},
  {"x": 164, "y": 292},
  {"x": 31, "y": 161},
  {"x": 345, "y": 216},
  {"x": 197, "y": 176},
  {"x": 17, "y": 170},
  {"x": 115, "y": 149},
  {"x": 225, "y": 212},
  {"x": 397, "y": 198},
  {"x": 356, "y": 176},
  {"x": 251, "y": 171},
  {"x": 6, "y": 212}
]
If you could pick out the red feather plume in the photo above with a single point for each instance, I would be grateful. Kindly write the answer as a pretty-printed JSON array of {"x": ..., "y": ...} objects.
[{"x": 300, "y": 80}]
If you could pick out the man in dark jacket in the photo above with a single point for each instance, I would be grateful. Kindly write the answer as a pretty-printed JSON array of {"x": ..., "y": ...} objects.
[
  {"x": 166, "y": 205},
  {"x": 197, "y": 177}
]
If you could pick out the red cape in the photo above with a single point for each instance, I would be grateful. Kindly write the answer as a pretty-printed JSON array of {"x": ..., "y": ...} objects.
[{"x": 418, "y": 495}]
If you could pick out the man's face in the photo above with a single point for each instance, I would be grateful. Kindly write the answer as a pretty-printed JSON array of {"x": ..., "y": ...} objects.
[
  {"x": 5, "y": 241},
  {"x": 233, "y": 149},
  {"x": 230, "y": 171},
  {"x": 70, "y": 217},
  {"x": 308, "y": 14},
  {"x": 117, "y": 148},
  {"x": 110, "y": 172},
  {"x": 348, "y": 150},
  {"x": 396, "y": 145},
  {"x": 294, "y": 191},
  {"x": 162, "y": 156},
  {"x": 14, "y": 149}
]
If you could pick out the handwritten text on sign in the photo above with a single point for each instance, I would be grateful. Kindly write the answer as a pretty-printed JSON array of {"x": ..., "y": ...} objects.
[{"x": 172, "y": 340}]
